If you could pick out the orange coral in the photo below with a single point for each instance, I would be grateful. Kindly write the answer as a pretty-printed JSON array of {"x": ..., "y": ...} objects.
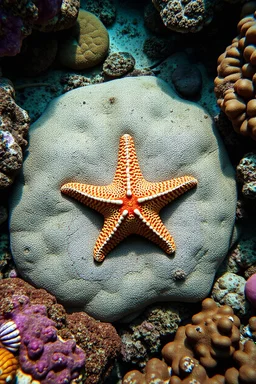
[
  {"x": 236, "y": 80},
  {"x": 8, "y": 366}
]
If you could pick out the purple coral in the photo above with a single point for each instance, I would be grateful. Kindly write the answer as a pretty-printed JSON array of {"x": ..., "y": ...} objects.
[
  {"x": 17, "y": 19},
  {"x": 250, "y": 289},
  {"x": 42, "y": 353},
  {"x": 47, "y": 9},
  {"x": 11, "y": 33}
]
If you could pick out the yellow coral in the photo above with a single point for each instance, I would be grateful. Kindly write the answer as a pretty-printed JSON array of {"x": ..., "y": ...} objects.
[
  {"x": 87, "y": 44},
  {"x": 8, "y": 366}
]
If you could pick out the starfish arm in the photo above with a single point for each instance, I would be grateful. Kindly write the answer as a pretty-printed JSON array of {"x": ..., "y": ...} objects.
[
  {"x": 162, "y": 193},
  {"x": 152, "y": 228},
  {"x": 93, "y": 196},
  {"x": 114, "y": 230},
  {"x": 128, "y": 170}
]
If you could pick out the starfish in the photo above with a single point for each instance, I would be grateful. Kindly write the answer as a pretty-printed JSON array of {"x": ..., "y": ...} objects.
[{"x": 130, "y": 204}]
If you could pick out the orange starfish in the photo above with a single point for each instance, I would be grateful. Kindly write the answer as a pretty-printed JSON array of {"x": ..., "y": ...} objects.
[{"x": 130, "y": 204}]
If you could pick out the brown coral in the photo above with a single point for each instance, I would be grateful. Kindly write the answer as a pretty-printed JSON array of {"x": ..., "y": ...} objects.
[
  {"x": 213, "y": 336},
  {"x": 92, "y": 43},
  {"x": 155, "y": 368},
  {"x": 245, "y": 358},
  {"x": 14, "y": 125},
  {"x": 235, "y": 83}
]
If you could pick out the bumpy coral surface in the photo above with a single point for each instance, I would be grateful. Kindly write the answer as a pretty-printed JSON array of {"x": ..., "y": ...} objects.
[
  {"x": 245, "y": 358},
  {"x": 42, "y": 353},
  {"x": 100, "y": 341},
  {"x": 246, "y": 174},
  {"x": 8, "y": 366},
  {"x": 14, "y": 125},
  {"x": 141, "y": 338},
  {"x": 211, "y": 338},
  {"x": 118, "y": 64},
  {"x": 64, "y": 15},
  {"x": 63, "y": 263},
  {"x": 235, "y": 83},
  {"x": 92, "y": 43},
  {"x": 185, "y": 16},
  {"x": 19, "y": 17},
  {"x": 229, "y": 289}
]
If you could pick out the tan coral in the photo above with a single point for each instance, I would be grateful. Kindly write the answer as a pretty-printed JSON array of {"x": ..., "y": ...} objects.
[
  {"x": 214, "y": 333},
  {"x": 8, "y": 366},
  {"x": 155, "y": 371},
  {"x": 245, "y": 358},
  {"x": 87, "y": 44},
  {"x": 236, "y": 80},
  {"x": 212, "y": 336}
]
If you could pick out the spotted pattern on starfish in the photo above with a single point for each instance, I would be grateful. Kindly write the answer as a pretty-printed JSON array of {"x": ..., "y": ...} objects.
[{"x": 130, "y": 204}]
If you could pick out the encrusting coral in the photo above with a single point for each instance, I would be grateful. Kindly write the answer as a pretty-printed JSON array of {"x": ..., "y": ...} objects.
[
  {"x": 202, "y": 351},
  {"x": 246, "y": 174},
  {"x": 61, "y": 343},
  {"x": 235, "y": 83},
  {"x": 92, "y": 43},
  {"x": 185, "y": 16},
  {"x": 19, "y": 17},
  {"x": 8, "y": 366},
  {"x": 14, "y": 125}
]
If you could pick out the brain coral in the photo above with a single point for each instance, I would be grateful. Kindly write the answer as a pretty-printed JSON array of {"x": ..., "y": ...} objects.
[
  {"x": 87, "y": 44},
  {"x": 53, "y": 236},
  {"x": 235, "y": 83}
]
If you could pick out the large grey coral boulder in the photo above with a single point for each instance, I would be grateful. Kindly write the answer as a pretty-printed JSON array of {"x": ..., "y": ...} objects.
[{"x": 76, "y": 139}]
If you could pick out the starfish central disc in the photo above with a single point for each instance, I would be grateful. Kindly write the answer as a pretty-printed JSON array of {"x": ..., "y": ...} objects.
[{"x": 130, "y": 204}]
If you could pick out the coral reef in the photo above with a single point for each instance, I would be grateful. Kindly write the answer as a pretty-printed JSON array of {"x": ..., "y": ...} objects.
[
  {"x": 229, "y": 289},
  {"x": 14, "y": 125},
  {"x": 75, "y": 81},
  {"x": 142, "y": 337},
  {"x": 92, "y": 43},
  {"x": 42, "y": 354},
  {"x": 234, "y": 85},
  {"x": 208, "y": 351},
  {"x": 245, "y": 358},
  {"x": 65, "y": 15},
  {"x": 8, "y": 366},
  {"x": 137, "y": 105},
  {"x": 18, "y": 18},
  {"x": 99, "y": 341},
  {"x": 118, "y": 64},
  {"x": 185, "y": 16},
  {"x": 246, "y": 174}
]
